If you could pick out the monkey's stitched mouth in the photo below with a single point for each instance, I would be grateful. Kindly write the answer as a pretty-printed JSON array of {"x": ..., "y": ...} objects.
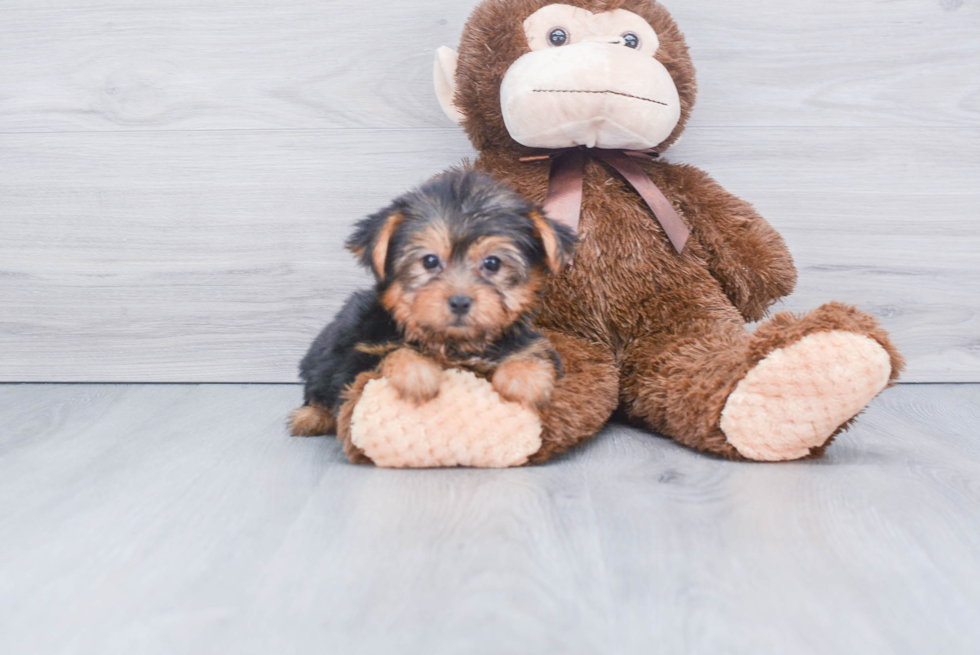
[{"x": 615, "y": 93}]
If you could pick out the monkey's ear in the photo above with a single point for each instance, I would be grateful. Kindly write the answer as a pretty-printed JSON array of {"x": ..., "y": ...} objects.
[
  {"x": 370, "y": 240},
  {"x": 444, "y": 76},
  {"x": 558, "y": 240}
]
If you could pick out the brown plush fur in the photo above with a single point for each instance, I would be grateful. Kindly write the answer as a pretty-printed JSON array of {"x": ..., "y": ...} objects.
[
  {"x": 583, "y": 399},
  {"x": 636, "y": 324}
]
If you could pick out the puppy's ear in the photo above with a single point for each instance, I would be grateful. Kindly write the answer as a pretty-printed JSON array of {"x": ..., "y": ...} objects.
[
  {"x": 370, "y": 239},
  {"x": 558, "y": 240}
]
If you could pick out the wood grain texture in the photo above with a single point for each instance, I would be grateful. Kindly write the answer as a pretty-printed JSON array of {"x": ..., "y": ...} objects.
[
  {"x": 98, "y": 65},
  {"x": 164, "y": 519},
  {"x": 216, "y": 257}
]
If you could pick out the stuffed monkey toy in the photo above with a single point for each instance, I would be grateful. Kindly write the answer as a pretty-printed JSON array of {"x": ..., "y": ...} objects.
[{"x": 570, "y": 104}]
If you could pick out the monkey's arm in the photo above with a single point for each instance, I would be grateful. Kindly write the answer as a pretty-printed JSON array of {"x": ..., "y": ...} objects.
[{"x": 745, "y": 254}]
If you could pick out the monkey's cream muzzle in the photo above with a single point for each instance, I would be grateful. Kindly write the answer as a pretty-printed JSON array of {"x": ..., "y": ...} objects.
[{"x": 593, "y": 94}]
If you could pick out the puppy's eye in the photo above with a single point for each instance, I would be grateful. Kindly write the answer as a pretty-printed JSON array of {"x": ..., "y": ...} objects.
[
  {"x": 631, "y": 40},
  {"x": 492, "y": 264},
  {"x": 430, "y": 262},
  {"x": 558, "y": 36}
]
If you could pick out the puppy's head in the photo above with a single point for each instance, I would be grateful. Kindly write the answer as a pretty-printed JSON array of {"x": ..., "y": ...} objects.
[{"x": 461, "y": 258}]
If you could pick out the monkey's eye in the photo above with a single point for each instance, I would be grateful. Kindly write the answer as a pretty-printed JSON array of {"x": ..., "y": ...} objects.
[
  {"x": 558, "y": 36},
  {"x": 430, "y": 262},
  {"x": 492, "y": 264},
  {"x": 631, "y": 40}
]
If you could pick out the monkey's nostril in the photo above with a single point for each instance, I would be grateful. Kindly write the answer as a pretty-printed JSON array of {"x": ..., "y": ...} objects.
[{"x": 460, "y": 304}]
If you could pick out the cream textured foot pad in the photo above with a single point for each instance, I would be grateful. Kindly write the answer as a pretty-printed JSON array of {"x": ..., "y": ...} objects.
[
  {"x": 797, "y": 397},
  {"x": 467, "y": 424}
]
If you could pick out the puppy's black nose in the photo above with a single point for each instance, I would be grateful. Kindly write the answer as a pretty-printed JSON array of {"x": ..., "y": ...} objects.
[{"x": 460, "y": 304}]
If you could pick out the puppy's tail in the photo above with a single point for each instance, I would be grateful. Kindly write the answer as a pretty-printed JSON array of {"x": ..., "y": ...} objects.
[{"x": 312, "y": 421}]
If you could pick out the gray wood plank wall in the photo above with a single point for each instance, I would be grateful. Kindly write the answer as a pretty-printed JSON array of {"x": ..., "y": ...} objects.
[{"x": 176, "y": 178}]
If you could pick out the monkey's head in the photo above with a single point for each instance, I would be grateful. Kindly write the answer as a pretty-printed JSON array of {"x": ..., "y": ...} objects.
[{"x": 541, "y": 74}]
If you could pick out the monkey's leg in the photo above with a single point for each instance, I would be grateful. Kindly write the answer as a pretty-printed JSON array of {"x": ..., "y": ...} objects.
[
  {"x": 581, "y": 402},
  {"x": 780, "y": 394},
  {"x": 583, "y": 398}
]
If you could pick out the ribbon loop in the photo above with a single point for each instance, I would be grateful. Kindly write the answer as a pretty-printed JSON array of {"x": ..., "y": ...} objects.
[
  {"x": 564, "y": 201},
  {"x": 565, "y": 188}
]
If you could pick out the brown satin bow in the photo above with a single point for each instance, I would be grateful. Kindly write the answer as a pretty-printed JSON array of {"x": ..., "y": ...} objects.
[{"x": 564, "y": 202}]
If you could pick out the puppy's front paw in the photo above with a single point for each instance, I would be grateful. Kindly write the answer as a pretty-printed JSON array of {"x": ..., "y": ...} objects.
[
  {"x": 525, "y": 381},
  {"x": 413, "y": 376}
]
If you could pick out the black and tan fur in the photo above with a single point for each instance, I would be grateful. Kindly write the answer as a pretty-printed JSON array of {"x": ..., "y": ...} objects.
[{"x": 459, "y": 264}]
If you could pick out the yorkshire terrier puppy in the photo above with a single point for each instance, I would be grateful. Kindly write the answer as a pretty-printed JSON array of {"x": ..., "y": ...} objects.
[{"x": 459, "y": 264}]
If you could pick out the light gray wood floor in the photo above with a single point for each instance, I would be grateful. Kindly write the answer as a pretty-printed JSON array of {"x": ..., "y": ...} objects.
[{"x": 181, "y": 519}]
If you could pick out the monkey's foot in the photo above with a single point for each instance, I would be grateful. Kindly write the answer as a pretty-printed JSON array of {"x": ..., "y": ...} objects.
[
  {"x": 467, "y": 424},
  {"x": 798, "y": 397}
]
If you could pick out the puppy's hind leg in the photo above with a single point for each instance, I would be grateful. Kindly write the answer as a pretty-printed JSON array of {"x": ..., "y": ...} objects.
[{"x": 312, "y": 421}]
